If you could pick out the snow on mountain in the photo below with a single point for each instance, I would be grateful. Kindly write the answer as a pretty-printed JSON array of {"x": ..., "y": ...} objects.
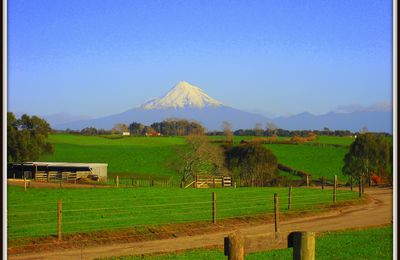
[{"x": 182, "y": 95}]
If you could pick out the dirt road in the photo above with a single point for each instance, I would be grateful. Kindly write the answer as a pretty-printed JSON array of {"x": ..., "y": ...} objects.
[{"x": 375, "y": 213}]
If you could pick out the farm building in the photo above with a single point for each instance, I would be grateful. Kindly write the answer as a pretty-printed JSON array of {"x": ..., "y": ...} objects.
[{"x": 47, "y": 170}]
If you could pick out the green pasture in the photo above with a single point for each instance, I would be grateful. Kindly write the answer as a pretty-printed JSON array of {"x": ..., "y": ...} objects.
[
  {"x": 317, "y": 160},
  {"x": 141, "y": 157},
  {"x": 373, "y": 243},
  {"x": 34, "y": 213},
  {"x": 126, "y": 156},
  {"x": 336, "y": 140}
]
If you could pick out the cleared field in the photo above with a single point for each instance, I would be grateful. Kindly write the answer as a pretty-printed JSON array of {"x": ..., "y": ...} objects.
[
  {"x": 332, "y": 245},
  {"x": 134, "y": 156},
  {"x": 34, "y": 213},
  {"x": 338, "y": 140},
  {"x": 142, "y": 157},
  {"x": 317, "y": 160}
]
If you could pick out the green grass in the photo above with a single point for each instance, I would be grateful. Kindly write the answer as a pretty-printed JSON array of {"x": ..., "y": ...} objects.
[
  {"x": 338, "y": 140},
  {"x": 373, "y": 243},
  {"x": 34, "y": 213},
  {"x": 134, "y": 156},
  {"x": 317, "y": 160},
  {"x": 150, "y": 156}
]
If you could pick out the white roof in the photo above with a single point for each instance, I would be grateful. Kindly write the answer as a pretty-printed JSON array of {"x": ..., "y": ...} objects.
[{"x": 67, "y": 164}]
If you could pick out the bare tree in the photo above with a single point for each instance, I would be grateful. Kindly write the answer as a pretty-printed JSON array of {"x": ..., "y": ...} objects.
[
  {"x": 258, "y": 131},
  {"x": 227, "y": 128},
  {"x": 120, "y": 128},
  {"x": 199, "y": 156},
  {"x": 272, "y": 128}
]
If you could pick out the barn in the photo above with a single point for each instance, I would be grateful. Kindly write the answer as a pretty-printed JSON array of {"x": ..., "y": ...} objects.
[{"x": 57, "y": 170}]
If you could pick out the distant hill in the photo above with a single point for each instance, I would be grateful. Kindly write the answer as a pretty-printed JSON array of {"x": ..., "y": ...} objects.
[{"x": 375, "y": 121}]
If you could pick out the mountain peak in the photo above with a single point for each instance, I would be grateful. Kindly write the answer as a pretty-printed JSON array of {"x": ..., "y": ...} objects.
[{"x": 182, "y": 95}]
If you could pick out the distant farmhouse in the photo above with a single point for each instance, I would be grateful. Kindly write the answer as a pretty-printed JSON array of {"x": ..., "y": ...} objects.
[{"x": 126, "y": 133}]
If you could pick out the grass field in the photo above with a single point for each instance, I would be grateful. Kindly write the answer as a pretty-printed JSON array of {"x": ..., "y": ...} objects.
[
  {"x": 317, "y": 160},
  {"x": 146, "y": 156},
  {"x": 134, "y": 156},
  {"x": 374, "y": 243},
  {"x": 34, "y": 213}
]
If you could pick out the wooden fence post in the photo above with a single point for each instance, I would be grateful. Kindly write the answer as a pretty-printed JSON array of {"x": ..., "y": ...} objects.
[
  {"x": 117, "y": 180},
  {"x": 307, "y": 180},
  {"x": 303, "y": 244},
  {"x": 290, "y": 198},
  {"x": 234, "y": 246},
  {"x": 322, "y": 183},
  {"x": 214, "y": 198},
  {"x": 59, "y": 210},
  {"x": 276, "y": 212},
  {"x": 334, "y": 188},
  {"x": 25, "y": 184}
]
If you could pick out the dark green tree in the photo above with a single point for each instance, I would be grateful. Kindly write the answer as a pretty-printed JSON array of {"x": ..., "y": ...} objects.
[
  {"x": 136, "y": 128},
  {"x": 27, "y": 138},
  {"x": 369, "y": 154},
  {"x": 254, "y": 164}
]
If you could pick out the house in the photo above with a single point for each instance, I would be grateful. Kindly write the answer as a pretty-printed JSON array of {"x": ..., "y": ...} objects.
[{"x": 126, "y": 133}]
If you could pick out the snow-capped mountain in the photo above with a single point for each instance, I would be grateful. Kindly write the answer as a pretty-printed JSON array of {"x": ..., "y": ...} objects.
[
  {"x": 186, "y": 101},
  {"x": 182, "y": 95}
]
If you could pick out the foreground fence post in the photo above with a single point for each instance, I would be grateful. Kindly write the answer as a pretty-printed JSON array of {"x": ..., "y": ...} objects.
[
  {"x": 276, "y": 212},
  {"x": 234, "y": 246},
  {"x": 290, "y": 198},
  {"x": 334, "y": 188},
  {"x": 308, "y": 180},
  {"x": 59, "y": 211},
  {"x": 25, "y": 184},
  {"x": 117, "y": 180},
  {"x": 303, "y": 244},
  {"x": 214, "y": 198}
]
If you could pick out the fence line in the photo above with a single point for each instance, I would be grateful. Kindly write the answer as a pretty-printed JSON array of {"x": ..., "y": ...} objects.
[{"x": 174, "y": 213}]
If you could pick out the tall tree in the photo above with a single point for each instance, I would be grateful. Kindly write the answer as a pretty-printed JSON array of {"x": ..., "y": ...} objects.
[
  {"x": 258, "y": 131},
  {"x": 369, "y": 153},
  {"x": 199, "y": 156},
  {"x": 227, "y": 129},
  {"x": 27, "y": 138},
  {"x": 254, "y": 164},
  {"x": 120, "y": 128},
  {"x": 272, "y": 128},
  {"x": 136, "y": 128}
]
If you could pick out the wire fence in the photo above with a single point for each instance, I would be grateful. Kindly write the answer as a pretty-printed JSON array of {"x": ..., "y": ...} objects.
[{"x": 42, "y": 219}]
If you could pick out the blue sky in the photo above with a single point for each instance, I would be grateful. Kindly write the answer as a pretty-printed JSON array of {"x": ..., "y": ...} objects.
[{"x": 98, "y": 58}]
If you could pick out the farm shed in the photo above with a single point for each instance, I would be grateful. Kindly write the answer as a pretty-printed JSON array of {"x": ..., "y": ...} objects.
[{"x": 31, "y": 169}]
